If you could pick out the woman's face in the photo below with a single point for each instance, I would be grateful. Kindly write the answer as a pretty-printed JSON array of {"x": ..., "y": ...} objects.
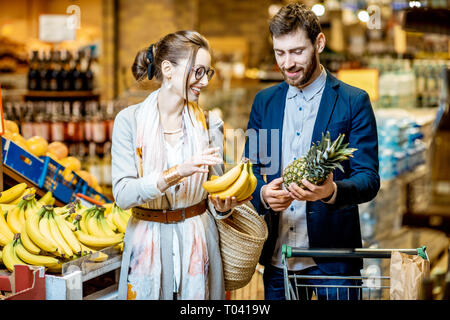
[{"x": 202, "y": 60}]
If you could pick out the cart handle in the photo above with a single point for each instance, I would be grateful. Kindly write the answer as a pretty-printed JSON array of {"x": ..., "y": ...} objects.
[{"x": 289, "y": 252}]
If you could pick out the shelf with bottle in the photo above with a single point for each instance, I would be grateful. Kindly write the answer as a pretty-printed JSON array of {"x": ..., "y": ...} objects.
[
  {"x": 84, "y": 127},
  {"x": 61, "y": 71},
  {"x": 405, "y": 83}
]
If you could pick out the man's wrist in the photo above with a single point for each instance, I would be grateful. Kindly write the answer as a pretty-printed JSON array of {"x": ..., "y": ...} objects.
[
  {"x": 332, "y": 197},
  {"x": 262, "y": 198}
]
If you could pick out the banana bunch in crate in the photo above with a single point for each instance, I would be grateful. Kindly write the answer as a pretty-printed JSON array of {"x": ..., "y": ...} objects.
[
  {"x": 239, "y": 182},
  {"x": 36, "y": 233}
]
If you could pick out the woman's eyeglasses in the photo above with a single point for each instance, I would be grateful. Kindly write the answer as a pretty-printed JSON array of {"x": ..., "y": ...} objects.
[{"x": 200, "y": 72}]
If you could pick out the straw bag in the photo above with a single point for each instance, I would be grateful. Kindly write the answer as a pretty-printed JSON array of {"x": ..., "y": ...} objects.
[{"x": 242, "y": 236}]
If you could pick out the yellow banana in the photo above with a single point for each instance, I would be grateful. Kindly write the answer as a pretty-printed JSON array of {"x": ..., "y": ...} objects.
[
  {"x": 98, "y": 257},
  {"x": 32, "y": 229},
  {"x": 46, "y": 199},
  {"x": 56, "y": 268},
  {"x": 34, "y": 259},
  {"x": 5, "y": 230},
  {"x": 26, "y": 192},
  {"x": 118, "y": 221},
  {"x": 120, "y": 246},
  {"x": 236, "y": 188},
  {"x": 105, "y": 227},
  {"x": 213, "y": 177},
  {"x": 13, "y": 193},
  {"x": 251, "y": 185},
  {"x": 6, "y": 207},
  {"x": 93, "y": 226},
  {"x": 110, "y": 223},
  {"x": 58, "y": 237},
  {"x": 94, "y": 241},
  {"x": 86, "y": 250},
  {"x": 70, "y": 225},
  {"x": 44, "y": 228},
  {"x": 27, "y": 243},
  {"x": 224, "y": 181},
  {"x": 68, "y": 235},
  {"x": 13, "y": 220},
  {"x": 84, "y": 215},
  {"x": 4, "y": 240},
  {"x": 1, "y": 261},
  {"x": 9, "y": 256}
]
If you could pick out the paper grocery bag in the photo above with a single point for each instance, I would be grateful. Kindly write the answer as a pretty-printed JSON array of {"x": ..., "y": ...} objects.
[{"x": 407, "y": 272}]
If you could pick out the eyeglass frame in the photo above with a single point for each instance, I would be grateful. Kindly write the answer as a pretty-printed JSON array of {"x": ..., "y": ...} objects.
[{"x": 206, "y": 72}]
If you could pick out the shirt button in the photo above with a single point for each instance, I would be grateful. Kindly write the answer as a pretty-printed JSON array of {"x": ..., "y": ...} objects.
[
  {"x": 292, "y": 208},
  {"x": 300, "y": 108},
  {"x": 291, "y": 228},
  {"x": 295, "y": 158},
  {"x": 298, "y": 133}
]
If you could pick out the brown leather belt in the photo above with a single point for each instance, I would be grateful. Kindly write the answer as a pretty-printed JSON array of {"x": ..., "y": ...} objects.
[{"x": 169, "y": 216}]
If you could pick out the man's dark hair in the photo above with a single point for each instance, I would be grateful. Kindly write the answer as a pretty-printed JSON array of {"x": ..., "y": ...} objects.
[{"x": 292, "y": 17}]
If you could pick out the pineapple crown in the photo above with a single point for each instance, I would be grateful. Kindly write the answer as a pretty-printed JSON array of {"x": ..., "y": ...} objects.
[{"x": 325, "y": 156}]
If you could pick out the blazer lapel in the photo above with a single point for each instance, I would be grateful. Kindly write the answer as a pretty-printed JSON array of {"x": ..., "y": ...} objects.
[
  {"x": 277, "y": 112},
  {"x": 326, "y": 108}
]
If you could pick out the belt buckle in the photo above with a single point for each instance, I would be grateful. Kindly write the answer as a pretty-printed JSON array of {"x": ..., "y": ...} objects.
[
  {"x": 183, "y": 214},
  {"x": 166, "y": 219}
]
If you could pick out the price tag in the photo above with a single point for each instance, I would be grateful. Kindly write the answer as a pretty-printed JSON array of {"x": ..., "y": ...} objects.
[
  {"x": 366, "y": 79},
  {"x": 56, "y": 28}
]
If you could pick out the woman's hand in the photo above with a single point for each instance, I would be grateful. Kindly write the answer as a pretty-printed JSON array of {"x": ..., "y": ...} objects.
[
  {"x": 200, "y": 162},
  {"x": 227, "y": 204}
]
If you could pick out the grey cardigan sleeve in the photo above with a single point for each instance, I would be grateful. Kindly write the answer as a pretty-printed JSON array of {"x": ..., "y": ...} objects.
[{"x": 128, "y": 188}]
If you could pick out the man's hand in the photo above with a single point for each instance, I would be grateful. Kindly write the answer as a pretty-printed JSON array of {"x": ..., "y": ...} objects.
[
  {"x": 314, "y": 192},
  {"x": 277, "y": 198}
]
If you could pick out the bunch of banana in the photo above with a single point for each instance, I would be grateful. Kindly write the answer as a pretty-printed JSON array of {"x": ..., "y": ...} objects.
[
  {"x": 119, "y": 217},
  {"x": 9, "y": 255},
  {"x": 239, "y": 182},
  {"x": 27, "y": 191},
  {"x": 16, "y": 192},
  {"x": 94, "y": 231},
  {"x": 17, "y": 215},
  {"x": 6, "y": 234},
  {"x": 47, "y": 199}
]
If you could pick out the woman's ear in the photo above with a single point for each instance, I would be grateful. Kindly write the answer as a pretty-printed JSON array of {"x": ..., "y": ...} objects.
[{"x": 167, "y": 68}]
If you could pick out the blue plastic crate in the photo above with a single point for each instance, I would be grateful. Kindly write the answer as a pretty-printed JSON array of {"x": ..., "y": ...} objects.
[
  {"x": 21, "y": 161},
  {"x": 52, "y": 180}
]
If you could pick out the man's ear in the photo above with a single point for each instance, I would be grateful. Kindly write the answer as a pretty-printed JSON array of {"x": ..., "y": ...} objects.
[
  {"x": 166, "y": 68},
  {"x": 320, "y": 42}
]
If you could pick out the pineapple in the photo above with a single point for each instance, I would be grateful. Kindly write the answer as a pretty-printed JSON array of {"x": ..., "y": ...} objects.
[{"x": 320, "y": 160}]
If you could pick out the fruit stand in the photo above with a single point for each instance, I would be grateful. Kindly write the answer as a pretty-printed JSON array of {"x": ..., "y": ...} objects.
[{"x": 60, "y": 239}]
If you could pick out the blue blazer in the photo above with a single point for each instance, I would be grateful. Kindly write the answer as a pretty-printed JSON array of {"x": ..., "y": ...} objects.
[{"x": 343, "y": 109}]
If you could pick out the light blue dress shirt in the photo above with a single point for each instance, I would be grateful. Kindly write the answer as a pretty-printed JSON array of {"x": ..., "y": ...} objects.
[{"x": 300, "y": 115}]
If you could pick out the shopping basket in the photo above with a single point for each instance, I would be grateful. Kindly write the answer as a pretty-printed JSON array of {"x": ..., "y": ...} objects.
[{"x": 364, "y": 287}]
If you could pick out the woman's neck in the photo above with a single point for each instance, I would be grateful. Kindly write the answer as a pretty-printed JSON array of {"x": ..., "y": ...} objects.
[{"x": 170, "y": 108}]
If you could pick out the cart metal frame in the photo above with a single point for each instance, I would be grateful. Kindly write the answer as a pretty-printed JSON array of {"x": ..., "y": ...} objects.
[{"x": 292, "y": 282}]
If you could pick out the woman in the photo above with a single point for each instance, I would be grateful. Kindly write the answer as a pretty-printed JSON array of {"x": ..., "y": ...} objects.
[{"x": 161, "y": 155}]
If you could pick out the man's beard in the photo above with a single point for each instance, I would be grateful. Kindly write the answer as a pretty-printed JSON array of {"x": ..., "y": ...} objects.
[{"x": 308, "y": 73}]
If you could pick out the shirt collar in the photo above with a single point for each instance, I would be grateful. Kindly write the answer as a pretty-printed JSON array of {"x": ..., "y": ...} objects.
[{"x": 311, "y": 90}]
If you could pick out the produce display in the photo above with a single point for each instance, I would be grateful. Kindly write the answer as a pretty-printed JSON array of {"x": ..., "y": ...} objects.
[
  {"x": 317, "y": 164},
  {"x": 35, "y": 232},
  {"x": 56, "y": 150},
  {"x": 239, "y": 182}
]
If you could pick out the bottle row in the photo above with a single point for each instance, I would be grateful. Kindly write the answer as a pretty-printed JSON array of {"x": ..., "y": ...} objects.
[
  {"x": 64, "y": 121},
  {"x": 61, "y": 71}
]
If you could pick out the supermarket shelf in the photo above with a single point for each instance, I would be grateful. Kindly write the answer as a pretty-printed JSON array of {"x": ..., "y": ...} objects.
[
  {"x": 59, "y": 95},
  {"x": 11, "y": 178}
]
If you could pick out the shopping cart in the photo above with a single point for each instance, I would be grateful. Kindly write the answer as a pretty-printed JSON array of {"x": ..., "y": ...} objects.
[{"x": 368, "y": 286}]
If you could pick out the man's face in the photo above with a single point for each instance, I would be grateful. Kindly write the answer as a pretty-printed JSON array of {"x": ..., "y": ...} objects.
[{"x": 296, "y": 57}]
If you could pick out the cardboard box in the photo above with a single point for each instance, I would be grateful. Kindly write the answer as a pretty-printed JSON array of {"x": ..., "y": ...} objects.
[{"x": 25, "y": 283}]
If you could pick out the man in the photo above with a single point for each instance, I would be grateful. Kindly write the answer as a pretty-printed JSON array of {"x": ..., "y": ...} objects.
[{"x": 289, "y": 117}]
